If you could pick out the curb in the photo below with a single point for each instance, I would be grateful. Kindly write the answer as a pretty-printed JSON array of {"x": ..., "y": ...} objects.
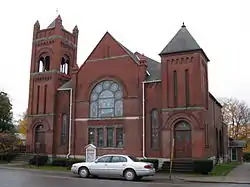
[
  {"x": 214, "y": 182},
  {"x": 34, "y": 170}
]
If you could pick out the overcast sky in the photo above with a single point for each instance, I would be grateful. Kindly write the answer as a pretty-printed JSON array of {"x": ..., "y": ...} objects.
[{"x": 221, "y": 28}]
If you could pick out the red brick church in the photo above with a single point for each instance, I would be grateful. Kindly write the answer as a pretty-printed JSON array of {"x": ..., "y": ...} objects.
[{"x": 121, "y": 101}]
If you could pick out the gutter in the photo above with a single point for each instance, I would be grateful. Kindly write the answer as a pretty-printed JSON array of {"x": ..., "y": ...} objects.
[
  {"x": 143, "y": 117},
  {"x": 70, "y": 118}
]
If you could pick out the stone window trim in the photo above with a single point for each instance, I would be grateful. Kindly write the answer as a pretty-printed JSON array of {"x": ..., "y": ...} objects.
[
  {"x": 106, "y": 100},
  {"x": 105, "y": 128}
]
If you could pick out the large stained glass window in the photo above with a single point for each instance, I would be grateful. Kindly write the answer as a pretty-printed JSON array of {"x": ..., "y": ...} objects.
[
  {"x": 106, "y": 100},
  {"x": 155, "y": 138},
  {"x": 65, "y": 129}
]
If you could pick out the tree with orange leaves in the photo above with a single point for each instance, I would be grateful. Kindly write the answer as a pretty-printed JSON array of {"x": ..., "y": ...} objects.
[{"x": 22, "y": 126}]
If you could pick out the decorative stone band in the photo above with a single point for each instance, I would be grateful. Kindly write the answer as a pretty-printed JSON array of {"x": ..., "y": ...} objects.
[
  {"x": 44, "y": 39},
  {"x": 107, "y": 58},
  {"x": 182, "y": 108},
  {"x": 115, "y": 118}
]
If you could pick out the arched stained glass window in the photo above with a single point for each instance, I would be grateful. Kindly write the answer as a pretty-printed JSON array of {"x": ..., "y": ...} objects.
[
  {"x": 65, "y": 129},
  {"x": 106, "y": 100},
  {"x": 182, "y": 126},
  {"x": 155, "y": 139}
]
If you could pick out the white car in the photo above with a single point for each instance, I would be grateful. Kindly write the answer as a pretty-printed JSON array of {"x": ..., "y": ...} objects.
[{"x": 114, "y": 166}]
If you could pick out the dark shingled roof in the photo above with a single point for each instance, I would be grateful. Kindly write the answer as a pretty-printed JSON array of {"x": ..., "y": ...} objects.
[
  {"x": 154, "y": 69},
  {"x": 183, "y": 41},
  {"x": 66, "y": 85}
]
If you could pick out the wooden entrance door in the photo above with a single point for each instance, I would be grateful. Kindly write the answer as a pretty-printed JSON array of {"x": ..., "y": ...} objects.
[
  {"x": 39, "y": 139},
  {"x": 183, "y": 141}
]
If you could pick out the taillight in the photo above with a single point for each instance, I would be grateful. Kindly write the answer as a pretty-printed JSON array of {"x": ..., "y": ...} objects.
[{"x": 148, "y": 167}]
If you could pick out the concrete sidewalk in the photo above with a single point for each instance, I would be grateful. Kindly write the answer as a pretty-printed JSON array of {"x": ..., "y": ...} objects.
[{"x": 239, "y": 175}]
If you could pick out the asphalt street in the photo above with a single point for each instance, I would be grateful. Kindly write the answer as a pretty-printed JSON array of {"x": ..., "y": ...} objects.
[{"x": 19, "y": 178}]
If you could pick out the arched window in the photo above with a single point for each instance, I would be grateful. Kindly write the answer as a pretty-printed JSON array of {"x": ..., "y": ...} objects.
[
  {"x": 106, "y": 100},
  {"x": 182, "y": 126},
  {"x": 44, "y": 64},
  {"x": 155, "y": 129},
  {"x": 65, "y": 129},
  {"x": 64, "y": 66}
]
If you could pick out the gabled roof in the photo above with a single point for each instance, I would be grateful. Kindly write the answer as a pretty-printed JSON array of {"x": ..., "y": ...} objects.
[
  {"x": 183, "y": 41},
  {"x": 126, "y": 50},
  {"x": 131, "y": 54}
]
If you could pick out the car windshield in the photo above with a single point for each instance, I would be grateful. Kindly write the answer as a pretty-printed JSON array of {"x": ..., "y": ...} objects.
[{"x": 134, "y": 158}]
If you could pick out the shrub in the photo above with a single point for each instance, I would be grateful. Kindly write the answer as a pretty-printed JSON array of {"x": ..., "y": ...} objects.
[
  {"x": 39, "y": 160},
  {"x": 203, "y": 166},
  {"x": 155, "y": 162},
  {"x": 65, "y": 162},
  {"x": 246, "y": 157},
  {"x": 8, "y": 157}
]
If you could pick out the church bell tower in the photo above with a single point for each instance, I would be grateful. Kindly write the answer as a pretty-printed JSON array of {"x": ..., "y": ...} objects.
[{"x": 54, "y": 53}]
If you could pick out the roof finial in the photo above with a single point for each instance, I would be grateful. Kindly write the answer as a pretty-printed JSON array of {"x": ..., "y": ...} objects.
[
  {"x": 57, "y": 12},
  {"x": 183, "y": 25}
]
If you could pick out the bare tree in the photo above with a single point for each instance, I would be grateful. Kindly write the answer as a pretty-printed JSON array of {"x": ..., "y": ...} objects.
[{"x": 236, "y": 114}]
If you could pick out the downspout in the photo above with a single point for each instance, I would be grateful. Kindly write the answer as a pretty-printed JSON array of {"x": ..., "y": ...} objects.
[
  {"x": 143, "y": 120},
  {"x": 70, "y": 118}
]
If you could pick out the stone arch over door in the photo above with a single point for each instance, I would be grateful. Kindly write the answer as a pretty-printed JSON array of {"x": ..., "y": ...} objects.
[
  {"x": 39, "y": 139},
  {"x": 183, "y": 140}
]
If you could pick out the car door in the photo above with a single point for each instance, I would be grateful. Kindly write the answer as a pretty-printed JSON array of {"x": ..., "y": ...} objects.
[
  {"x": 117, "y": 165},
  {"x": 99, "y": 167}
]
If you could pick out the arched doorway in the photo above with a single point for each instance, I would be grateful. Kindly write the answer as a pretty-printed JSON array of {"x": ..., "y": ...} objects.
[
  {"x": 183, "y": 140},
  {"x": 39, "y": 139}
]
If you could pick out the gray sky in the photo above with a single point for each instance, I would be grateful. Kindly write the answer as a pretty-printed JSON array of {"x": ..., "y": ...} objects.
[{"x": 221, "y": 28}]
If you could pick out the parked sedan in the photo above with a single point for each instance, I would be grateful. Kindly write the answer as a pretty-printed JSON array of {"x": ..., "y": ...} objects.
[{"x": 114, "y": 166}]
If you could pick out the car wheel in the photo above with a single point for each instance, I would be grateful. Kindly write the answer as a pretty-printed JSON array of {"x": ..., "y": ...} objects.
[
  {"x": 84, "y": 172},
  {"x": 130, "y": 175}
]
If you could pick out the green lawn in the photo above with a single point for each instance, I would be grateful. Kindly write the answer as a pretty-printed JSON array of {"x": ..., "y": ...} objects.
[{"x": 223, "y": 169}]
